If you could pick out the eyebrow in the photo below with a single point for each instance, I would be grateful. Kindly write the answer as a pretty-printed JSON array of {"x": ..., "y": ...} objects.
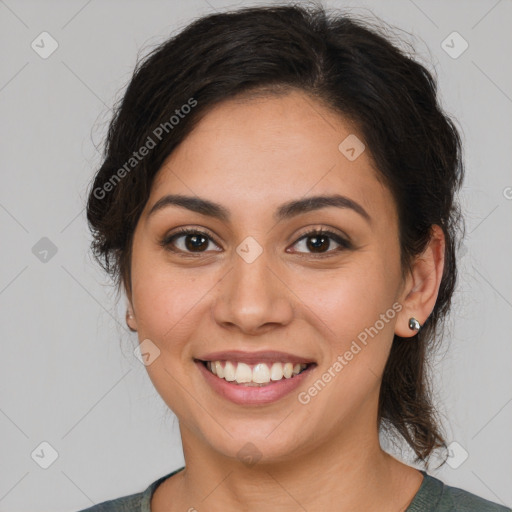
[{"x": 285, "y": 211}]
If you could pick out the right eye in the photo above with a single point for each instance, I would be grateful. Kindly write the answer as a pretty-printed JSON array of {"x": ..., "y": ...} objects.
[{"x": 190, "y": 241}]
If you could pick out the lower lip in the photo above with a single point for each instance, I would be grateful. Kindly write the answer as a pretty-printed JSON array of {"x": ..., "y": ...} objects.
[{"x": 253, "y": 395}]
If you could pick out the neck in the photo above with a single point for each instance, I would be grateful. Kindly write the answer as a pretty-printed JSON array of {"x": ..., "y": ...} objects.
[{"x": 356, "y": 475}]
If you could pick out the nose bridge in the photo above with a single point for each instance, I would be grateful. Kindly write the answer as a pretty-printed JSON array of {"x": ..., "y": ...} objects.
[{"x": 251, "y": 296}]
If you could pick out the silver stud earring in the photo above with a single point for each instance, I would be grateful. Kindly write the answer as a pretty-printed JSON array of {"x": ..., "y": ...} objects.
[{"x": 414, "y": 325}]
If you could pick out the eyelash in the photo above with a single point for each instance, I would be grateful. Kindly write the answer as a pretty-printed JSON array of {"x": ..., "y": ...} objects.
[{"x": 167, "y": 241}]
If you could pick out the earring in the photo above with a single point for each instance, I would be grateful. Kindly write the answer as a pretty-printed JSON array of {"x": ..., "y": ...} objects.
[
  {"x": 414, "y": 325},
  {"x": 129, "y": 315}
]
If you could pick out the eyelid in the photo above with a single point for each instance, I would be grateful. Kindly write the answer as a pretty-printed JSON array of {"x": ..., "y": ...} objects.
[
  {"x": 342, "y": 240},
  {"x": 185, "y": 230},
  {"x": 323, "y": 229}
]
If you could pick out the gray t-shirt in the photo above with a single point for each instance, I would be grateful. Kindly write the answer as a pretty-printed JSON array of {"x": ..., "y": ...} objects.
[{"x": 432, "y": 496}]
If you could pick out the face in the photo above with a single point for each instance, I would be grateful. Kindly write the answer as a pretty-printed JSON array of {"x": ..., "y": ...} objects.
[{"x": 256, "y": 278}]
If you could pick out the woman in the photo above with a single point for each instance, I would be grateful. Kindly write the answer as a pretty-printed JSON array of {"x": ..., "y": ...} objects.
[{"x": 277, "y": 200}]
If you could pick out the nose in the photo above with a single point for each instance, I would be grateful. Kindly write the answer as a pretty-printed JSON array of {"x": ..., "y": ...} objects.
[{"x": 252, "y": 298}]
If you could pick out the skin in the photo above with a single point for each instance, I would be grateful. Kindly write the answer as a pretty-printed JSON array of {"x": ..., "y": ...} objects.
[{"x": 251, "y": 155}]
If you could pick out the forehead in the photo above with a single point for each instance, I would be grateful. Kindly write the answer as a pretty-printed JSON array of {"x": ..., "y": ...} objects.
[{"x": 257, "y": 151}]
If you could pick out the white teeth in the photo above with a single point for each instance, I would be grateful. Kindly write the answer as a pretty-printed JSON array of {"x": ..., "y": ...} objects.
[
  {"x": 276, "y": 372},
  {"x": 219, "y": 371},
  {"x": 260, "y": 373},
  {"x": 229, "y": 371},
  {"x": 243, "y": 373}
]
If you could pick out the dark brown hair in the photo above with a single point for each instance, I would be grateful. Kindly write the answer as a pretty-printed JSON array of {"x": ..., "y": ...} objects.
[{"x": 357, "y": 72}]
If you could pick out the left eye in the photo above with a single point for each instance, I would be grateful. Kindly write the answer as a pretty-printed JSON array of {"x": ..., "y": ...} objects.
[{"x": 317, "y": 241}]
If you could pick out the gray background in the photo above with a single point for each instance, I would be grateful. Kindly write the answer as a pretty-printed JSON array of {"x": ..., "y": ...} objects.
[{"x": 68, "y": 374}]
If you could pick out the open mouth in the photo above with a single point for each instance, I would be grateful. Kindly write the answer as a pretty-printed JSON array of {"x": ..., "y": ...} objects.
[{"x": 255, "y": 375}]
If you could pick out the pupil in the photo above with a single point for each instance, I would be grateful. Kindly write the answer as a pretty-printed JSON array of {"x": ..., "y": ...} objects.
[
  {"x": 319, "y": 241},
  {"x": 195, "y": 241}
]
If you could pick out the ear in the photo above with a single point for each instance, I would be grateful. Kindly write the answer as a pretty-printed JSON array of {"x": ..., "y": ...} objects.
[
  {"x": 421, "y": 288},
  {"x": 131, "y": 321}
]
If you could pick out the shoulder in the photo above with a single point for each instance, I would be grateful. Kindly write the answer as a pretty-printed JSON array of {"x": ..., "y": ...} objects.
[
  {"x": 436, "y": 496},
  {"x": 463, "y": 501},
  {"x": 131, "y": 503},
  {"x": 139, "y": 502}
]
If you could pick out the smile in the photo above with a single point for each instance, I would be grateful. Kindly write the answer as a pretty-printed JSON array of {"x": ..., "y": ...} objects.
[
  {"x": 253, "y": 384},
  {"x": 259, "y": 374}
]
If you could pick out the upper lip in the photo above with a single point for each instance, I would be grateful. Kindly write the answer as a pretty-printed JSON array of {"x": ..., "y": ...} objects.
[{"x": 266, "y": 356}]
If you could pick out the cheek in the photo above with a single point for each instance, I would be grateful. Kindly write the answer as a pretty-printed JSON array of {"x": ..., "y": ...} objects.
[
  {"x": 354, "y": 304},
  {"x": 354, "y": 311},
  {"x": 165, "y": 305},
  {"x": 161, "y": 297},
  {"x": 172, "y": 304},
  {"x": 348, "y": 297}
]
